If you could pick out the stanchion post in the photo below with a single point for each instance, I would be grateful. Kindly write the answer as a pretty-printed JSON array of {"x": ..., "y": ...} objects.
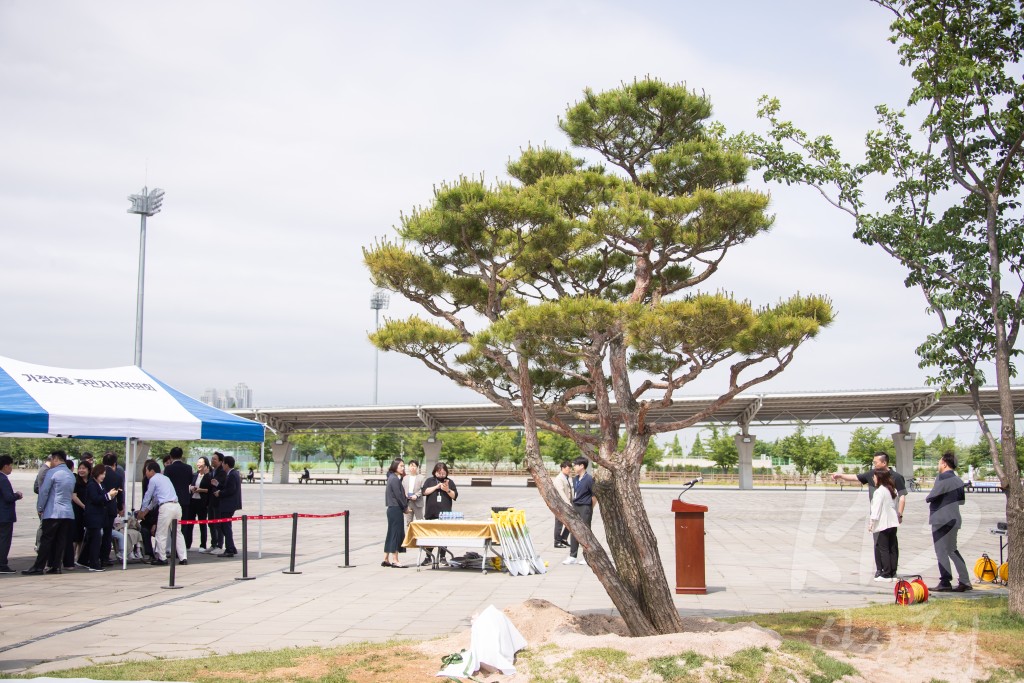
[
  {"x": 172, "y": 546},
  {"x": 295, "y": 534},
  {"x": 346, "y": 565},
  {"x": 245, "y": 551}
]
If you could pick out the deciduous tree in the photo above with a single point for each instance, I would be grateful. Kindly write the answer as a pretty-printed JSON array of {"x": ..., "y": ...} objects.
[
  {"x": 951, "y": 214},
  {"x": 495, "y": 446},
  {"x": 721, "y": 448},
  {"x": 865, "y": 442}
]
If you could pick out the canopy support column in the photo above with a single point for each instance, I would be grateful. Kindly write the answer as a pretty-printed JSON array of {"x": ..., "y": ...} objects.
[
  {"x": 904, "y": 442},
  {"x": 431, "y": 453},
  {"x": 745, "y": 446},
  {"x": 281, "y": 452},
  {"x": 141, "y": 455}
]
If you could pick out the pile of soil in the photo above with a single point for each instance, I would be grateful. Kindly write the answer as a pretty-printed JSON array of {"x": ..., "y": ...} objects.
[
  {"x": 917, "y": 658},
  {"x": 543, "y": 623}
]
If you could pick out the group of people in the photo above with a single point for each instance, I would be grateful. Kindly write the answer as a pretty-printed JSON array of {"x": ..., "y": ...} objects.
[
  {"x": 409, "y": 496},
  {"x": 82, "y": 514},
  {"x": 575, "y": 486},
  {"x": 76, "y": 513},
  {"x": 887, "y": 493},
  {"x": 82, "y": 511}
]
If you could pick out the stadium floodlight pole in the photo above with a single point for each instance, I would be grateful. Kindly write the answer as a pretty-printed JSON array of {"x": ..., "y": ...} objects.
[
  {"x": 378, "y": 300},
  {"x": 146, "y": 203}
]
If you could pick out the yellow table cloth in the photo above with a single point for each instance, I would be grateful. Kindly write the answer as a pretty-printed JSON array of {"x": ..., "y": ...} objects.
[{"x": 420, "y": 532}]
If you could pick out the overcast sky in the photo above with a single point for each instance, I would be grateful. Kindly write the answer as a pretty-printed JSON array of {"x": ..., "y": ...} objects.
[{"x": 287, "y": 136}]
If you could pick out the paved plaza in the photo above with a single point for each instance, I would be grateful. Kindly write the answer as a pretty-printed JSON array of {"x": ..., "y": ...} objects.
[{"x": 767, "y": 551}]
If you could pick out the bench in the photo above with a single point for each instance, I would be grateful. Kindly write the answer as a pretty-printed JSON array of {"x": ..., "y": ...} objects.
[
  {"x": 531, "y": 483},
  {"x": 480, "y": 481},
  {"x": 992, "y": 487},
  {"x": 375, "y": 480},
  {"x": 324, "y": 480},
  {"x": 796, "y": 483}
]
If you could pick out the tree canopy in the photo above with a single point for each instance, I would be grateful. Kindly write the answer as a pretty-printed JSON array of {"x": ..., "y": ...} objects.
[{"x": 570, "y": 295}]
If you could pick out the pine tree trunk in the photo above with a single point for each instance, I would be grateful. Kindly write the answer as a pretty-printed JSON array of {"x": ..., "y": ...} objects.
[
  {"x": 634, "y": 547},
  {"x": 622, "y": 595}
]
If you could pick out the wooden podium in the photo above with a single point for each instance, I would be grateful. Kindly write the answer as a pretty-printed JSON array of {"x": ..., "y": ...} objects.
[{"x": 689, "y": 548}]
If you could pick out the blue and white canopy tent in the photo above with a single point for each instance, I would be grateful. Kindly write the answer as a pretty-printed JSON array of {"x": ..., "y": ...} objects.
[
  {"x": 125, "y": 402},
  {"x": 112, "y": 403}
]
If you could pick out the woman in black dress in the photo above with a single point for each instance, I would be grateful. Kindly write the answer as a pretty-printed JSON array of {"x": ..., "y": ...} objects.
[
  {"x": 78, "y": 505},
  {"x": 396, "y": 500},
  {"x": 95, "y": 516}
]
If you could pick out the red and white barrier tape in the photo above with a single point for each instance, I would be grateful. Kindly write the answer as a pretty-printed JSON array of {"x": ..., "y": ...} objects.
[{"x": 224, "y": 520}]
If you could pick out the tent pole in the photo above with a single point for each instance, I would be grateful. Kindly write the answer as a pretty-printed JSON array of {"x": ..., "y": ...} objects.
[
  {"x": 259, "y": 533},
  {"x": 124, "y": 527}
]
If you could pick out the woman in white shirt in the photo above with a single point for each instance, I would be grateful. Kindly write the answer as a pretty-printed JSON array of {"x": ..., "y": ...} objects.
[{"x": 884, "y": 522}]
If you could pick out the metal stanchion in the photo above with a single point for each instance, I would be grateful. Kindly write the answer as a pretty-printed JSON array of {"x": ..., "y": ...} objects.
[
  {"x": 346, "y": 565},
  {"x": 245, "y": 551},
  {"x": 295, "y": 534},
  {"x": 172, "y": 546}
]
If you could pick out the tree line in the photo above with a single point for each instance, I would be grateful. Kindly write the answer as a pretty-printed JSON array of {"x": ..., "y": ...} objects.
[{"x": 817, "y": 453}]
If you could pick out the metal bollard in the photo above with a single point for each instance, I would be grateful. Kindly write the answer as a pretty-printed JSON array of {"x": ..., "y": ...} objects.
[
  {"x": 295, "y": 534},
  {"x": 172, "y": 546},
  {"x": 245, "y": 551},
  {"x": 346, "y": 565}
]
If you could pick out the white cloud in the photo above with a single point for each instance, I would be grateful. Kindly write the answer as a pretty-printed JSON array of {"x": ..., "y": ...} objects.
[{"x": 289, "y": 136}]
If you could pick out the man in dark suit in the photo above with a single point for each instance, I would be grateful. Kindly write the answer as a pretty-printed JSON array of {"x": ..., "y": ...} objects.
[
  {"x": 180, "y": 475},
  {"x": 229, "y": 499},
  {"x": 115, "y": 505},
  {"x": 213, "y": 502},
  {"x": 8, "y": 516}
]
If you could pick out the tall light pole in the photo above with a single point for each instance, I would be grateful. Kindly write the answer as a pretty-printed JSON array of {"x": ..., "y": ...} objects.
[
  {"x": 378, "y": 300},
  {"x": 146, "y": 203}
]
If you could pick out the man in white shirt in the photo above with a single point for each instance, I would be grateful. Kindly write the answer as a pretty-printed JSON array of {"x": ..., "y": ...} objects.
[{"x": 160, "y": 494}]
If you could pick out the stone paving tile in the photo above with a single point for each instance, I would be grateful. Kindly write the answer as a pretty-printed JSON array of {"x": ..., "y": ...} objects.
[{"x": 812, "y": 553}]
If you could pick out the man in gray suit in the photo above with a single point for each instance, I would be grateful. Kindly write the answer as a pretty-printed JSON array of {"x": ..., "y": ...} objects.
[
  {"x": 944, "y": 501},
  {"x": 563, "y": 484},
  {"x": 58, "y": 517}
]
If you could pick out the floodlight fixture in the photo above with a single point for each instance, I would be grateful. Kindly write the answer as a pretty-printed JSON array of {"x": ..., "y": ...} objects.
[
  {"x": 148, "y": 202},
  {"x": 379, "y": 300}
]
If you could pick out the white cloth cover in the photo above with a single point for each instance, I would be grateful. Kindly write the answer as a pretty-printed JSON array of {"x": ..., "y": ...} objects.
[{"x": 494, "y": 642}]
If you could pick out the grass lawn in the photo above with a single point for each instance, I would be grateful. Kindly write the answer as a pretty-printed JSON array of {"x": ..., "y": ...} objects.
[{"x": 815, "y": 647}]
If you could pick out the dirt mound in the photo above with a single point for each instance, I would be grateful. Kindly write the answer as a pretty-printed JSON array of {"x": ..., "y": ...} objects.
[
  {"x": 553, "y": 637},
  {"x": 542, "y": 623}
]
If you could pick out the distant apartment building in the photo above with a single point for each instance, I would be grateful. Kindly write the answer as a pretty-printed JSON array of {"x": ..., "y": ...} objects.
[
  {"x": 243, "y": 395},
  {"x": 225, "y": 400}
]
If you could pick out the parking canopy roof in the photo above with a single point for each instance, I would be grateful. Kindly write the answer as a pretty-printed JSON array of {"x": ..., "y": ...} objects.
[{"x": 892, "y": 406}]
